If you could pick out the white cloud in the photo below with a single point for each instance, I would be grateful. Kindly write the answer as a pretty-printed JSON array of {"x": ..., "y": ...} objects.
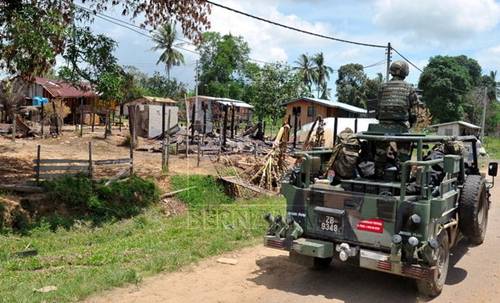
[
  {"x": 489, "y": 58},
  {"x": 267, "y": 42},
  {"x": 437, "y": 22}
]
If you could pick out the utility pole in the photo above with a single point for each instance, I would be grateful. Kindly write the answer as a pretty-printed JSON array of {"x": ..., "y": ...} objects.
[
  {"x": 483, "y": 120},
  {"x": 388, "y": 62}
]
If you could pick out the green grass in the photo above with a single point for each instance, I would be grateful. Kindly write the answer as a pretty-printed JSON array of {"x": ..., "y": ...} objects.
[
  {"x": 205, "y": 194},
  {"x": 492, "y": 146},
  {"x": 83, "y": 260}
]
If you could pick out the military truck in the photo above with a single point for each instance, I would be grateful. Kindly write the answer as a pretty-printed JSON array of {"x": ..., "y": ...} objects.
[{"x": 386, "y": 199}]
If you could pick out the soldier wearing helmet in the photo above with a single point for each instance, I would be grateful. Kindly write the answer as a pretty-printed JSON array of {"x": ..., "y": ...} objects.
[{"x": 396, "y": 99}]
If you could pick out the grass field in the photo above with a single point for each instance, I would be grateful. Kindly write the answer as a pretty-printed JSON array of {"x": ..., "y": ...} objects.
[
  {"x": 84, "y": 260},
  {"x": 492, "y": 146}
]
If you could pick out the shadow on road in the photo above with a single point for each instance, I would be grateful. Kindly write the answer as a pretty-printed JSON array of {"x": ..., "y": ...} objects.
[
  {"x": 457, "y": 274},
  {"x": 348, "y": 283},
  {"x": 340, "y": 281}
]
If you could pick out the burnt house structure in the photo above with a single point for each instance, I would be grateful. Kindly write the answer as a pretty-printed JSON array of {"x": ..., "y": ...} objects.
[{"x": 209, "y": 112}]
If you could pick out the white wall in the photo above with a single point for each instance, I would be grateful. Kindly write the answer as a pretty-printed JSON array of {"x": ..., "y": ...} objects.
[{"x": 154, "y": 118}]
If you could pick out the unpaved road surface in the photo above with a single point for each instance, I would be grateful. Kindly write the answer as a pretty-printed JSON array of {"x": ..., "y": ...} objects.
[{"x": 265, "y": 275}]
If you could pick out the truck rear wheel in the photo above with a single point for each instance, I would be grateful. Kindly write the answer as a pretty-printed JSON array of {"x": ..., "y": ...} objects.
[
  {"x": 434, "y": 287},
  {"x": 473, "y": 209}
]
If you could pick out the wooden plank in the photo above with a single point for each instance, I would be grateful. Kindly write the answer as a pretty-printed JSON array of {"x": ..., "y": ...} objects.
[
  {"x": 57, "y": 175},
  {"x": 119, "y": 175},
  {"x": 60, "y": 161},
  {"x": 21, "y": 188},
  {"x": 251, "y": 187},
  {"x": 63, "y": 167},
  {"x": 173, "y": 193},
  {"x": 112, "y": 161}
]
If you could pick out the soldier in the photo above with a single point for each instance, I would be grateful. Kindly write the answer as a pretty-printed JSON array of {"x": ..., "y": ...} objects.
[{"x": 396, "y": 99}]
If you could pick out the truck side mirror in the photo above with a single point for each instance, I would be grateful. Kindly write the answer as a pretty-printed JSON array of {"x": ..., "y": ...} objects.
[{"x": 493, "y": 169}]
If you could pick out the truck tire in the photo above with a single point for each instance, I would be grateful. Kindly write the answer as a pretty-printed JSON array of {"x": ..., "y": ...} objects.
[
  {"x": 473, "y": 209},
  {"x": 432, "y": 288},
  {"x": 321, "y": 263}
]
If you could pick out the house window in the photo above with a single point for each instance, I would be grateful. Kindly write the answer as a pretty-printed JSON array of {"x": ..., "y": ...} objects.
[{"x": 311, "y": 111}]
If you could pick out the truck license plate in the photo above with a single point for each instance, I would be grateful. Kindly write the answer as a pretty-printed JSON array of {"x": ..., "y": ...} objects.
[{"x": 330, "y": 223}]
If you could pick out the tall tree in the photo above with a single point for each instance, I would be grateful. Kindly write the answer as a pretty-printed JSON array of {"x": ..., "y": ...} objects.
[
  {"x": 322, "y": 75},
  {"x": 306, "y": 71},
  {"x": 492, "y": 124},
  {"x": 164, "y": 40},
  {"x": 446, "y": 82},
  {"x": 34, "y": 32},
  {"x": 372, "y": 86},
  {"x": 224, "y": 65},
  {"x": 88, "y": 56},
  {"x": 351, "y": 85},
  {"x": 271, "y": 86}
]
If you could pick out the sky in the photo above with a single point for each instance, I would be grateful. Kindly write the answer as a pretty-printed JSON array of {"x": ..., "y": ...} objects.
[{"x": 417, "y": 29}]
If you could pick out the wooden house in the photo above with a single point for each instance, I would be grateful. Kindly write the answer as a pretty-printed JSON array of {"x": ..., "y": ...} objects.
[{"x": 308, "y": 109}]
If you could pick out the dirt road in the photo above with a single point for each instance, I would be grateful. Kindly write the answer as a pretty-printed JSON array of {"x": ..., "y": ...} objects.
[{"x": 265, "y": 275}]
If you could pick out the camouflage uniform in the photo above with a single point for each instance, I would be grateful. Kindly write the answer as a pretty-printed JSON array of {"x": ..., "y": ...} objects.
[{"x": 397, "y": 98}]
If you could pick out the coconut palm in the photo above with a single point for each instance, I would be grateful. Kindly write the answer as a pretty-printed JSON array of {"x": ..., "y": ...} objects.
[
  {"x": 164, "y": 40},
  {"x": 306, "y": 70},
  {"x": 322, "y": 75}
]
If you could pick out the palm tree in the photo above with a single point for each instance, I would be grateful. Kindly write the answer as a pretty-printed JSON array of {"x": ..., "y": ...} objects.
[
  {"x": 306, "y": 70},
  {"x": 164, "y": 40},
  {"x": 322, "y": 73}
]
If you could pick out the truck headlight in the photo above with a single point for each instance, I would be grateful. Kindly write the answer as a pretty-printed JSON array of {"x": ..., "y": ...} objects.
[
  {"x": 413, "y": 241},
  {"x": 396, "y": 239},
  {"x": 415, "y": 219}
]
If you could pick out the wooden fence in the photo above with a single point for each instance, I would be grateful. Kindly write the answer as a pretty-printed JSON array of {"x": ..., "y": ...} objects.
[{"x": 55, "y": 168}]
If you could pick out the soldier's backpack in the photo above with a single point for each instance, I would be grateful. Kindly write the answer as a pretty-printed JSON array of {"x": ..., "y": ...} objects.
[{"x": 345, "y": 155}]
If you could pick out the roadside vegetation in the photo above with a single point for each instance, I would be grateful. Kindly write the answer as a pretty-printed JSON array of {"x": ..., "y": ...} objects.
[
  {"x": 86, "y": 258},
  {"x": 492, "y": 146}
]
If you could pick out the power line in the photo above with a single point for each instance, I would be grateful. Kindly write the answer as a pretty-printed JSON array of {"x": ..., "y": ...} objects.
[
  {"x": 128, "y": 26},
  {"x": 407, "y": 60},
  {"x": 295, "y": 28}
]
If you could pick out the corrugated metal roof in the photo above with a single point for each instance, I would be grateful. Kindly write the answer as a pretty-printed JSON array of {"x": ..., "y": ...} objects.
[
  {"x": 333, "y": 104},
  {"x": 62, "y": 89},
  {"x": 225, "y": 101},
  {"x": 463, "y": 123}
]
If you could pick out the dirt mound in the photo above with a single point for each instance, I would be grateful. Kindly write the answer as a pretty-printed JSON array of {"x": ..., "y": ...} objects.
[
  {"x": 15, "y": 170},
  {"x": 12, "y": 215}
]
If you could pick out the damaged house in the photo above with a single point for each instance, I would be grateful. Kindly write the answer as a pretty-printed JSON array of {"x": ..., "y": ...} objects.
[
  {"x": 209, "y": 112},
  {"x": 149, "y": 110}
]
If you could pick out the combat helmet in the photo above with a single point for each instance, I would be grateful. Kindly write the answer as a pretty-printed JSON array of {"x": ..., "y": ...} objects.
[{"x": 399, "y": 69}]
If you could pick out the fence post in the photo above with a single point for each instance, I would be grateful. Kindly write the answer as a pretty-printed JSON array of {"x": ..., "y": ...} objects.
[
  {"x": 14, "y": 127},
  {"x": 199, "y": 153},
  {"x": 81, "y": 117},
  {"x": 167, "y": 156},
  {"x": 38, "y": 164},
  {"x": 91, "y": 169},
  {"x": 132, "y": 144},
  {"x": 335, "y": 129},
  {"x": 41, "y": 118}
]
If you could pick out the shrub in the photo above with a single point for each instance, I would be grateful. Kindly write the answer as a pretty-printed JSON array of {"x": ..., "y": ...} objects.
[
  {"x": 127, "y": 198},
  {"x": 119, "y": 199},
  {"x": 73, "y": 191},
  {"x": 206, "y": 192}
]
